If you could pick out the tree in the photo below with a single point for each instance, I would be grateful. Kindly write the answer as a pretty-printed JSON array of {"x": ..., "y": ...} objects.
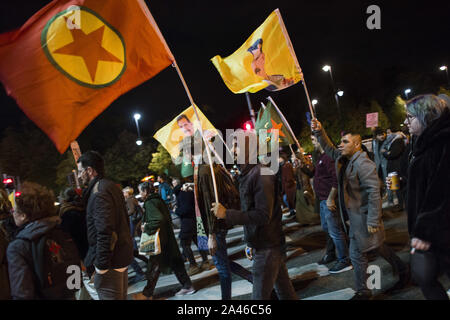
[
  {"x": 30, "y": 155},
  {"x": 126, "y": 162},
  {"x": 397, "y": 112},
  {"x": 162, "y": 163}
]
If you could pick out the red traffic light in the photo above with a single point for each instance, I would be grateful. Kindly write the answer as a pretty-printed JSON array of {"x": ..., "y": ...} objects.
[
  {"x": 18, "y": 194},
  {"x": 7, "y": 181},
  {"x": 248, "y": 125}
]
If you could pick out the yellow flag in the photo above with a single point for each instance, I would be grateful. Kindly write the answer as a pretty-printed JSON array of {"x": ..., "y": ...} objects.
[
  {"x": 266, "y": 60},
  {"x": 183, "y": 126}
]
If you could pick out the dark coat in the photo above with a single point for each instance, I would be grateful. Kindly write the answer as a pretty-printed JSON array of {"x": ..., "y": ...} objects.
[
  {"x": 109, "y": 238},
  {"x": 260, "y": 208},
  {"x": 288, "y": 183},
  {"x": 393, "y": 154},
  {"x": 428, "y": 185},
  {"x": 157, "y": 216},
  {"x": 359, "y": 192},
  {"x": 20, "y": 261},
  {"x": 6, "y": 235},
  {"x": 186, "y": 211},
  {"x": 73, "y": 222}
]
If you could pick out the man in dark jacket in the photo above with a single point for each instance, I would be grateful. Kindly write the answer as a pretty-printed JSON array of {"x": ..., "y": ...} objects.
[
  {"x": 110, "y": 247},
  {"x": 359, "y": 195},
  {"x": 261, "y": 216}
]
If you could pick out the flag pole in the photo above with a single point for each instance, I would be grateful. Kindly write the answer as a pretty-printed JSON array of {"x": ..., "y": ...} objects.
[
  {"x": 285, "y": 121},
  {"x": 291, "y": 49},
  {"x": 250, "y": 108},
  {"x": 201, "y": 129}
]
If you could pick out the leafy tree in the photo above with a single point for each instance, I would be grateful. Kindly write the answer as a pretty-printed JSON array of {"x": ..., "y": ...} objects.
[
  {"x": 162, "y": 163},
  {"x": 396, "y": 112},
  {"x": 29, "y": 154},
  {"x": 126, "y": 162},
  {"x": 63, "y": 169}
]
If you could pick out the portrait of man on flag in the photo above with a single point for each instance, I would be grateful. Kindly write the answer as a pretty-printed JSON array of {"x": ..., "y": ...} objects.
[{"x": 265, "y": 61}]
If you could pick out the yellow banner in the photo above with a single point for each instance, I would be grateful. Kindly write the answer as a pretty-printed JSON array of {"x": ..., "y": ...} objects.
[
  {"x": 184, "y": 125},
  {"x": 265, "y": 61}
]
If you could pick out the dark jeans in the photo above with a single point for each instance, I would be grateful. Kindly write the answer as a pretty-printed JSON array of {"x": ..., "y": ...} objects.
[
  {"x": 426, "y": 267},
  {"x": 187, "y": 251},
  {"x": 360, "y": 263},
  {"x": 331, "y": 224},
  {"x": 153, "y": 272},
  {"x": 269, "y": 271},
  {"x": 112, "y": 285},
  {"x": 225, "y": 266},
  {"x": 134, "y": 264}
]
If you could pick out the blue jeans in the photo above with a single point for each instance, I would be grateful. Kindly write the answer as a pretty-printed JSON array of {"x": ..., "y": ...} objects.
[
  {"x": 225, "y": 266},
  {"x": 269, "y": 272},
  {"x": 332, "y": 225}
]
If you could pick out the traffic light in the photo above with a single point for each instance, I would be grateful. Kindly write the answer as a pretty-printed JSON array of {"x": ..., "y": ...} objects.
[
  {"x": 8, "y": 182},
  {"x": 248, "y": 125}
]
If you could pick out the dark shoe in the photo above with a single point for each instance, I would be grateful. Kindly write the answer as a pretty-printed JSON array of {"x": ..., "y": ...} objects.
[
  {"x": 205, "y": 266},
  {"x": 327, "y": 259},
  {"x": 138, "y": 278},
  {"x": 403, "y": 282},
  {"x": 340, "y": 266},
  {"x": 362, "y": 296},
  {"x": 292, "y": 214}
]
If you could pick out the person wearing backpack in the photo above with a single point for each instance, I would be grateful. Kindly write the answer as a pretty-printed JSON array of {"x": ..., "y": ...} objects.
[
  {"x": 40, "y": 254},
  {"x": 110, "y": 247},
  {"x": 7, "y": 228}
]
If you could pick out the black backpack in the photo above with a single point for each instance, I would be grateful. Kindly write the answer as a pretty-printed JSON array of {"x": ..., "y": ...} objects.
[{"x": 52, "y": 255}]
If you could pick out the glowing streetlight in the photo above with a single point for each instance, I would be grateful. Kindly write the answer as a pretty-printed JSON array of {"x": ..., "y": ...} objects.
[
  {"x": 340, "y": 93},
  {"x": 407, "y": 91},
  {"x": 136, "y": 117},
  {"x": 314, "y": 102},
  {"x": 326, "y": 68},
  {"x": 444, "y": 68}
]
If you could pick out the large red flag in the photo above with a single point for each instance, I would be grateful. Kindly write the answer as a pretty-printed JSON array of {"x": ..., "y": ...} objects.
[{"x": 73, "y": 58}]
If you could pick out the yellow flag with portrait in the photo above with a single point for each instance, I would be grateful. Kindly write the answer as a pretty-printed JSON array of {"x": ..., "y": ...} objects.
[{"x": 265, "y": 61}]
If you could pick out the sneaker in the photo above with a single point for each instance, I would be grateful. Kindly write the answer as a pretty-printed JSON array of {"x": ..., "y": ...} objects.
[
  {"x": 193, "y": 269},
  {"x": 327, "y": 259},
  {"x": 184, "y": 292},
  {"x": 340, "y": 266},
  {"x": 362, "y": 296}
]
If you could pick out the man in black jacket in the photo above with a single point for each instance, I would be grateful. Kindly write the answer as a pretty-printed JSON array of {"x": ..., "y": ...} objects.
[
  {"x": 261, "y": 216},
  {"x": 110, "y": 247}
]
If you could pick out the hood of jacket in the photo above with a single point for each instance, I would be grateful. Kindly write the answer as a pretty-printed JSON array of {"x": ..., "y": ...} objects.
[
  {"x": 70, "y": 206},
  {"x": 38, "y": 228},
  {"x": 435, "y": 133}
]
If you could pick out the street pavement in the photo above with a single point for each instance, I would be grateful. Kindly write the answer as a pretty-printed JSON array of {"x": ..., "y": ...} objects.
[{"x": 305, "y": 247}]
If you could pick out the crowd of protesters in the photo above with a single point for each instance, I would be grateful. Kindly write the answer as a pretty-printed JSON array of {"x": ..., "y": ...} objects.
[{"x": 342, "y": 188}]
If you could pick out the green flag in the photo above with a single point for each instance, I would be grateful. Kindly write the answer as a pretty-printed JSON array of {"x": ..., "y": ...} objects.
[{"x": 269, "y": 120}]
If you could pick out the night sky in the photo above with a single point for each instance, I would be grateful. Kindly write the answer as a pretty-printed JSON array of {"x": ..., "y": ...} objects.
[{"x": 414, "y": 37}]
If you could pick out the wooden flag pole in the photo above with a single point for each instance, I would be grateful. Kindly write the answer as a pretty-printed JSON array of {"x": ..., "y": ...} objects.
[
  {"x": 291, "y": 49},
  {"x": 285, "y": 121},
  {"x": 201, "y": 129}
]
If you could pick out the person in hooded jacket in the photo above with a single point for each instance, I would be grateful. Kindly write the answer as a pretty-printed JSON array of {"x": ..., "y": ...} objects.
[
  {"x": 428, "y": 189},
  {"x": 35, "y": 215},
  {"x": 7, "y": 230}
]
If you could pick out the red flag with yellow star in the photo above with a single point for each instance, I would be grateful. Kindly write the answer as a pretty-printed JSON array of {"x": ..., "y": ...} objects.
[{"x": 73, "y": 58}]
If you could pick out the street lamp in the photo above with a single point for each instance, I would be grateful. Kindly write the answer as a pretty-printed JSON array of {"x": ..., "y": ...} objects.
[
  {"x": 407, "y": 91},
  {"x": 314, "y": 102},
  {"x": 340, "y": 93},
  {"x": 137, "y": 116},
  {"x": 442, "y": 68},
  {"x": 327, "y": 68}
]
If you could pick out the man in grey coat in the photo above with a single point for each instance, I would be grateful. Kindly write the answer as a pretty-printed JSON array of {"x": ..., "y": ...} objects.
[{"x": 359, "y": 196}]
